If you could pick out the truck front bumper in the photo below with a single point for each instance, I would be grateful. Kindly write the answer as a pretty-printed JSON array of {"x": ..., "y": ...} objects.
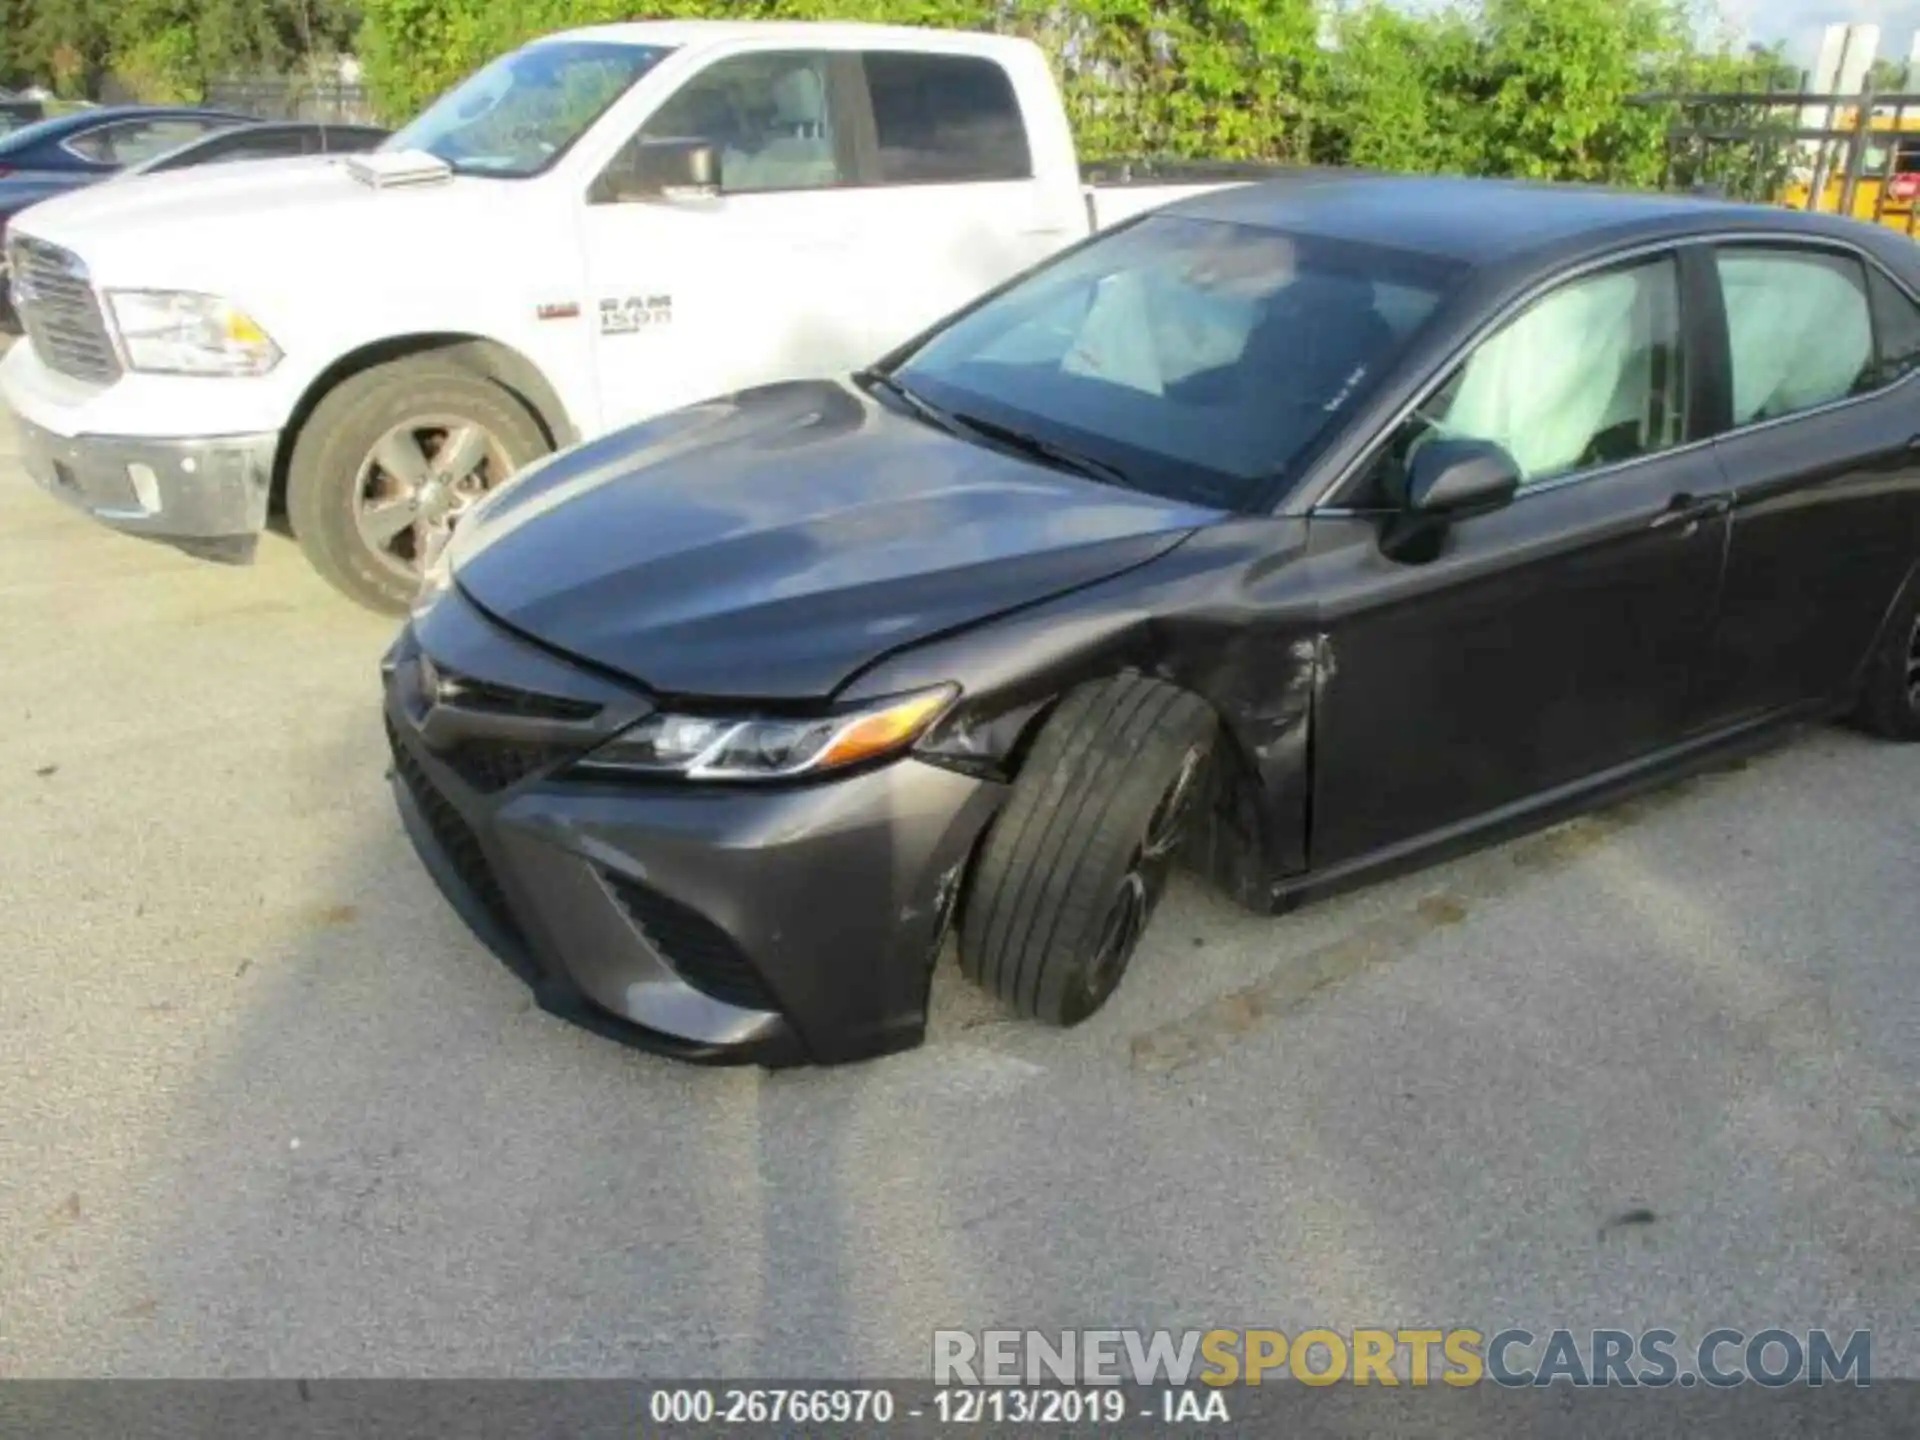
[{"x": 206, "y": 495}]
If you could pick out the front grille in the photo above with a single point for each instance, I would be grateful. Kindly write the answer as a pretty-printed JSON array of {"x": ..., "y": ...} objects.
[
  {"x": 487, "y": 698},
  {"x": 493, "y": 762},
  {"x": 455, "y": 836},
  {"x": 59, "y": 311},
  {"x": 701, "y": 952},
  {"x": 490, "y": 765}
]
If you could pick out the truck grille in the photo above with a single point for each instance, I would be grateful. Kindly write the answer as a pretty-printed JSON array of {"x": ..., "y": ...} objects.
[
  {"x": 700, "y": 952},
  {"x": 59, "y": 311}
]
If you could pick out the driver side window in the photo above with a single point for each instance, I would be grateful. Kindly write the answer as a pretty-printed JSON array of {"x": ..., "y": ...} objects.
[
  {"x": 1588, "y": 375},
  {"x": 770, "y": 117}
]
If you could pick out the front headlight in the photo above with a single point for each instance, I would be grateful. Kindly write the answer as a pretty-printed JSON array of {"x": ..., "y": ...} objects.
[
  {"x": 174, "y": 332},
  {"x": 708, "y": 747}
]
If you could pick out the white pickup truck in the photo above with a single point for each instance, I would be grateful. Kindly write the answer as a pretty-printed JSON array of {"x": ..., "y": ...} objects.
[{"x": 603, "y": 225}]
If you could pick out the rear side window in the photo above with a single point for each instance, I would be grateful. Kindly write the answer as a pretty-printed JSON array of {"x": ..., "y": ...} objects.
[
  {"x": 1896, "y": 327},
  {"x": 945, "y": 118},
  {"x": 243, "y": 146},
  {"x": 265, "y": 147},
  {"x": 129, "y": 142},
  {"x": 1799, "y": 329}
]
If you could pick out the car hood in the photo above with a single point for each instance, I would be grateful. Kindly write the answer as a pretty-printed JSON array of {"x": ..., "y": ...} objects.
[{"x": 772, "y": 544}]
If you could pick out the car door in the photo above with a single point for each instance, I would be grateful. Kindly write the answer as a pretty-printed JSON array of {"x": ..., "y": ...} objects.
[
  {"x": 1523, "y": 650},
  {"x": 955, "y": 201},
  {"x": 1822, "y": 457},
  {"x": 694, "y": 298}
]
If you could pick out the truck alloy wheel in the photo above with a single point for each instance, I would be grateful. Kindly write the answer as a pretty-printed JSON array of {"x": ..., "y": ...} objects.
[
  {"x": 417, "y": 480},
  {"x": 390, "y": 459}
]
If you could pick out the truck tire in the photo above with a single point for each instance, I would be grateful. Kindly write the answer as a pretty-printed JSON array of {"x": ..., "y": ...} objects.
[
  {"x": 1076, "y": 861},
  {"x": 1890, "y": 702},
  {"x": 386, "y": 463}
]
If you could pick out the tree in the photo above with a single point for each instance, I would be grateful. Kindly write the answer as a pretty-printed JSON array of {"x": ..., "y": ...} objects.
[{"x": 1888, "y": 77}]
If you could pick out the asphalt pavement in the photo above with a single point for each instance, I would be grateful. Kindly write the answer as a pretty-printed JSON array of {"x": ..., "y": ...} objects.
[{"x": 267, "y": 1108}]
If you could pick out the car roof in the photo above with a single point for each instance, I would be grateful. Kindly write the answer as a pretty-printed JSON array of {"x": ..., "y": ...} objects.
[
  {"x": 58, "y": 126},
  {"x": 255, "y": 127},
  {"x": 95, "y": 114},
  {"x": 836, "y": 33},
  {"x": 1484, "y": 222}
]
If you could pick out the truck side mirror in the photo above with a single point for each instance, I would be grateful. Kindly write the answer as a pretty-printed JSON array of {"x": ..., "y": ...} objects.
[{"x": 669, "y": 170}]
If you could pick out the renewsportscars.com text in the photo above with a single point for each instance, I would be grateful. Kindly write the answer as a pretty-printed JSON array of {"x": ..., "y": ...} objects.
[{"x": 1456, "y": 1356}]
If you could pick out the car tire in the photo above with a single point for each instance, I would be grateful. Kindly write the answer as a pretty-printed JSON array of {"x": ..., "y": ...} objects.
[
  {"x": 1890, "y": 700},
  {"x": 341, "y": 499},
  {"x": 1073, "y": 867}
]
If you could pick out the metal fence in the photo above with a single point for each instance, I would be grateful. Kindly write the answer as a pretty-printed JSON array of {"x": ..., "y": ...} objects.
[
  {"x": 293, "y": 97},
  {"x": 1850, "y": 154}
]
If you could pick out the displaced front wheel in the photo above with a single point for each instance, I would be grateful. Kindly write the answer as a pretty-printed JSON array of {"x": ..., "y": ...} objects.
[
  {"x": 1076, "y": 862},
  {"x": 389, "y": 461}
]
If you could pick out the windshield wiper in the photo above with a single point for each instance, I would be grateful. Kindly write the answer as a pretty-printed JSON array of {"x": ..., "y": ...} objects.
[
  {"x": 1061, "y": 457},
  {"x": 971, "y": 427},
  {"x": 871, "y": 379}
]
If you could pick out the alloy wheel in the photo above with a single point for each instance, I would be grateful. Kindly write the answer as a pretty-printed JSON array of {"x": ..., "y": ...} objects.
[
  {"x": 417, "y": 481},
  {"x": 1146, "y": 876},
  {"x": 1120, "y": 931},
  {"x": 1913, "y": 667}
]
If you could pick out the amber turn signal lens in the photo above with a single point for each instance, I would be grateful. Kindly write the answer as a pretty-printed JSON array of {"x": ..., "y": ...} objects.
[{"x": 884, "y": 731}]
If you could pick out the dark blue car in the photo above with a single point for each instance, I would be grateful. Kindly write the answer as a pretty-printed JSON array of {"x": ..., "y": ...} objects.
[{"x": 68, "y": 151}]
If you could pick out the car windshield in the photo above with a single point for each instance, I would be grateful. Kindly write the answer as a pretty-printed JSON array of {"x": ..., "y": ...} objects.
[
  {"x": 1195, "y": 358},
  {"x": 519, "y": 114}
]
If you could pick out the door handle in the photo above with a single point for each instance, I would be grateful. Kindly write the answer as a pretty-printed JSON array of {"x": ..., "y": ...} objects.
[{"x": 1690, "y": 510}]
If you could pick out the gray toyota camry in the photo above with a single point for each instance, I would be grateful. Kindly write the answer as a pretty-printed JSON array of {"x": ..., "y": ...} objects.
[{"x": 1297, "y": 533}]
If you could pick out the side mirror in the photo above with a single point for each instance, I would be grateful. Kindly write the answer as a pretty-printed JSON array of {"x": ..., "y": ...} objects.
[
  {"x": 670, "y": 170},
  {"x": 1449, "y": 479}
]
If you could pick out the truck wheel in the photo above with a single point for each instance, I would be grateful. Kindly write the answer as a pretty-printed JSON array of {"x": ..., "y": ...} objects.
[
  {"x": 388, "y": 461},
  {"x": 1890, "y": 703},
  {"x": 1070, "y": 874}
]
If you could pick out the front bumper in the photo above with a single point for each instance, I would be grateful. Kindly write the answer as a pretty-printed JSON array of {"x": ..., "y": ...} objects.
[
  {"x": 208, "y": 496},
  {"x": 760, "y": 923}
]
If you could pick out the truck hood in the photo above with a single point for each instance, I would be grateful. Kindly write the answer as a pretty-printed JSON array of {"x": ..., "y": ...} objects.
[
  {"x": 187, "y": 227},
  {"x": 772, "y": 544}
]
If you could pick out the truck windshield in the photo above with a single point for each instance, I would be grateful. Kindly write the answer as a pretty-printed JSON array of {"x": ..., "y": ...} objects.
[
  {"x": 1198, "y": 359},
  {"x": 518, "y": 115}
]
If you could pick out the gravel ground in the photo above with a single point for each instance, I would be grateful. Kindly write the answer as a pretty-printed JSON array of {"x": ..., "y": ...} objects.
[{"x": 268, "y": 1109}]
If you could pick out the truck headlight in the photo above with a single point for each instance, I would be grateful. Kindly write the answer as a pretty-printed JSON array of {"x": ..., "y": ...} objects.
[
  {"x": 715, "y": 747},
  {"x": 175, "y": 332}
]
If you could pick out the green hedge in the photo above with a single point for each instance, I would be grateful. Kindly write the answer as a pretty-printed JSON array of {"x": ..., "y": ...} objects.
[{"x": 1535, "y": 88}]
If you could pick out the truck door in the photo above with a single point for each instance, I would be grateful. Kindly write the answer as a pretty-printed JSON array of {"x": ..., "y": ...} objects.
[{"x": 698, "y": 297}]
